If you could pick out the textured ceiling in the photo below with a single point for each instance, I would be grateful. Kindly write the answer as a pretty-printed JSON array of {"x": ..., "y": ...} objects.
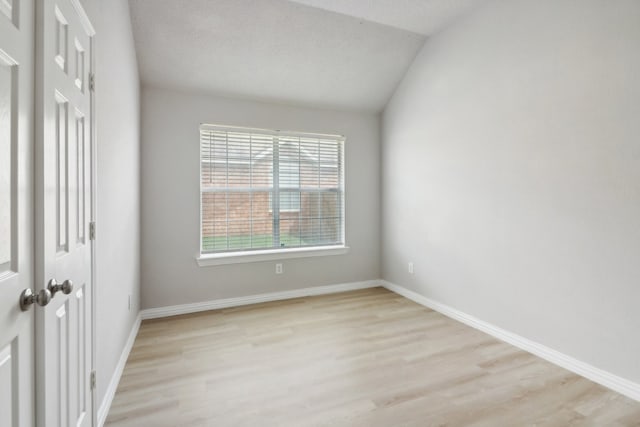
[{"x": 347, "y": 54}]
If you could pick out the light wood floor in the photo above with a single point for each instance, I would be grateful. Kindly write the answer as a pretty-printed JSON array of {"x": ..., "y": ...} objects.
[{"x": 363, "y": 358}]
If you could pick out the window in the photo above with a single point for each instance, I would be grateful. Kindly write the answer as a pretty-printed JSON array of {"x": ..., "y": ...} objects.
[{"x": 270, "y": 190}]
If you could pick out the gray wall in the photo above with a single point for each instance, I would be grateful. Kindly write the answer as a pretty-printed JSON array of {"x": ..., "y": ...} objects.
[
  {"x": 170, "y": 199},
  {"x": 511, "y": 174},
  {"x": 118, "y": 198}
]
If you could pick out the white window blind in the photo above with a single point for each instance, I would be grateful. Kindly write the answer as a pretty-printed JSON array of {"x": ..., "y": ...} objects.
[{"x": 264, "y": 189}]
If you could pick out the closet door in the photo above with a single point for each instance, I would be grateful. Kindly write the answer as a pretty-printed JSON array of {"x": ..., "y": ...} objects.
[
  {"x": 16, "y": 214},
  {"x": 63, "y": 193}
]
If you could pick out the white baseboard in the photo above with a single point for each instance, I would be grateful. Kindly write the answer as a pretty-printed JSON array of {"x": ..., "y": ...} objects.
[
  {"x": 103, "y": 411},
  {"x": 597, "y": 375},
  {"x": 174, "y": 310}
]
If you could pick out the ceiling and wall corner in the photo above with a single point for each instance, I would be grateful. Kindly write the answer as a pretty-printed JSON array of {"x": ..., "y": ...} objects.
[
  {"x": 328, "y": 54},
  {"x": 425, "y": 17}
]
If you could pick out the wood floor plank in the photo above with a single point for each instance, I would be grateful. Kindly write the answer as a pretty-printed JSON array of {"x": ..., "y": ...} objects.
[{"x": 363, "y": 358}]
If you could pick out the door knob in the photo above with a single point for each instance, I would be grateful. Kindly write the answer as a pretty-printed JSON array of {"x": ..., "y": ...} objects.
[
  {"x": 66, "y": 287},
  {"x": 27, "y": 298}
]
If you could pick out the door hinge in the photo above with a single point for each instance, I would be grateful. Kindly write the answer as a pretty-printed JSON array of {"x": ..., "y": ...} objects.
[
  {"x": 92, "y": 230},
  {"x": 93, "y": 380},
  {"x": 92, "y": 82}
]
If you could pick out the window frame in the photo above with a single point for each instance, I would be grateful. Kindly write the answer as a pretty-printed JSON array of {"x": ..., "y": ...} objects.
[{"x": 233, "y": 256}]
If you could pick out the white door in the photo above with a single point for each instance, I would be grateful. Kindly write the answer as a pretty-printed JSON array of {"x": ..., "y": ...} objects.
[
  {"x": 63, "y": 211},
  {"x": 16, "y": 207}
]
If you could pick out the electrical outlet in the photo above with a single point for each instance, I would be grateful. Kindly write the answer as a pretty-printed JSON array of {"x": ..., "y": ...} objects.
[
  {"x": 278, "y": 268},
  {"x": 410, "y": 268}
]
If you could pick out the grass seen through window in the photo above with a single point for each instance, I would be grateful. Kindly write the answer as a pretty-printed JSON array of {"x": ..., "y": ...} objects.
[{"x": 213, "y": 243}]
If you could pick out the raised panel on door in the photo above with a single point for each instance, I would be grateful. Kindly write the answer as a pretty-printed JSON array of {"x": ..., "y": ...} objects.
[
  {"x": 63, "y": 198},
  {"x": 16, "y": 220}
]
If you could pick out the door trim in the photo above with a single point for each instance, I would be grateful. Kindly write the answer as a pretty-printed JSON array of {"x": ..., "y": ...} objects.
[
  {"x": 84, "y": 18},
  {"x": 93, "y": 144}
]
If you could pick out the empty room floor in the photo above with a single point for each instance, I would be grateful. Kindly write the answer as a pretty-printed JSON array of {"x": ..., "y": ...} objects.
[{"x": 361, "y": 358}]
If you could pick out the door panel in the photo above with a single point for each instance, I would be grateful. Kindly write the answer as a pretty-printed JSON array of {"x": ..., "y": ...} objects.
[
  {"x": 16, "y": 207},
  {"x": 7, "y": 385},
  {"x": 7, "y": 70},
  {"x": 63, "y": 194}
]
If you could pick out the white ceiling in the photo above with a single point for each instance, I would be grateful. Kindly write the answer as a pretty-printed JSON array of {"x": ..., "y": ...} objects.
[
  {"x": 419, "y": 16},
  {"x": 347, "y": 54}
]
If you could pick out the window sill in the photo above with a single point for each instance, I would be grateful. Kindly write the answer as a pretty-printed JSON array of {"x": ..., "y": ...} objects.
[{"x": 268, "y": 255}]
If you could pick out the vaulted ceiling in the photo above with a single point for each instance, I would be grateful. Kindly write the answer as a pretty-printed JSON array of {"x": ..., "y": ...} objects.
[{"x": 346, "y": 54}]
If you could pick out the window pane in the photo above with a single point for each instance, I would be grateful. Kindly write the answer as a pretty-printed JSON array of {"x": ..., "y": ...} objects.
[
  {"x": 238, "y": 194},
  {"x": 262, "y": 219},
  {"x": 290, "y": 231},
  {"x": 289, "y": 174},
  {"x": 289, "y": 201}
]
